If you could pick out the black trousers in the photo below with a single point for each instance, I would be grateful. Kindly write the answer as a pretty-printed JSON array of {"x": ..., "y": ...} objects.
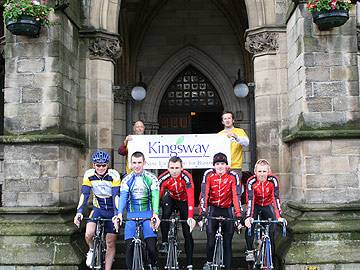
[
  {"x": 263, "y": 213},
  {"x": 151, "y": 254},
  {"x": 228, "y": 232},
  {"x": 168, "y": 207}
]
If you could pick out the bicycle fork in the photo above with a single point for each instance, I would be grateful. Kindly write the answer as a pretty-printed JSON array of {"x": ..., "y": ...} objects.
[
  {"x": 138, "y": 263},
  {"x": 266, "y": 256},
  {"x": 218, "y": 259},
  {"x": 171, "y": 260}
]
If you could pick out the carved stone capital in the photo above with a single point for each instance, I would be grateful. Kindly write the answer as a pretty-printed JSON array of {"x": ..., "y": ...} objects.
[
  {"x": 262, "y": 42},
  {"x": 103, "y": 45},
  {"x": 62, "y": 4},
  {"x": 106, "y": 49}
]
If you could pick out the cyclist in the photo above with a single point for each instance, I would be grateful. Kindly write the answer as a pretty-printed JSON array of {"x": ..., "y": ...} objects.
[
  {"x": 220, "y": 196},
  {"x": 263, "y": 201},
  {"x": 139, "y": 194},
  {"x": 177, "y": 191},
  {"x": 238, "y": 139},
  {"x": 103, "y": 182}
]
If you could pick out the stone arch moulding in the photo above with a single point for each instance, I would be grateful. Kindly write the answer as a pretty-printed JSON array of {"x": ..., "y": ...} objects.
[
  {"x": 259, "y": 12},
  {"x": 104, "y": 14},
  {"x": 171, "y": 68}
]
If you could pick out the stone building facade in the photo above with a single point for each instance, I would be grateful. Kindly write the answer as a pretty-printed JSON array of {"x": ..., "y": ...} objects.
[{"x": 66, "y": 94}]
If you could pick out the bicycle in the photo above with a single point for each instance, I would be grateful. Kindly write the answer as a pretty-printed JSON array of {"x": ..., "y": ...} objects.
[
  {"x": 218, "y": 256},
  {"x": 263, "y": 254},
  {"x": 173, "y": 252},
  {"x": 99, "y": 244},
  {"x": 138, "y": 259}
]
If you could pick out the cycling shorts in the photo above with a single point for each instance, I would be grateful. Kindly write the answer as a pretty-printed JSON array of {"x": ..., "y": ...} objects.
[
  {"x": 130, "y": 226},
  {"x": 108, "y": 214}
]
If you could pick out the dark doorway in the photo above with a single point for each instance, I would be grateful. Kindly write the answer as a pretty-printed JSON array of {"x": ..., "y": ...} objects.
[
  {"x": 201, "y": 123},
  {"x": 191, "y": 105}
]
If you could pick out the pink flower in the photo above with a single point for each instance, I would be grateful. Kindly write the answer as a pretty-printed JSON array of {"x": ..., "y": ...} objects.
[{"x": 333, "y": 4}]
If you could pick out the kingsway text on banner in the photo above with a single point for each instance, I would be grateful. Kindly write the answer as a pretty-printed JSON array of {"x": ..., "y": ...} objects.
[{"x": 196, "y": 150}]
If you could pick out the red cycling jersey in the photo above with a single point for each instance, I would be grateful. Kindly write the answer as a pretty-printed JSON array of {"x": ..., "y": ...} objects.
[
  {"x": 220, "y": 191},
  {"x": 263, "y": 194},
  {"x": 181, "y": 188}
]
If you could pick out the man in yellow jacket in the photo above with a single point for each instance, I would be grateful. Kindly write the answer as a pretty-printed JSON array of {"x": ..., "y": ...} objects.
[{"x": 238, "y": 138}]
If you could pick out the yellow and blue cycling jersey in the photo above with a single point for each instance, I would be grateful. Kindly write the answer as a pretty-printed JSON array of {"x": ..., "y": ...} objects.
[{"x": 103, "y": 188}]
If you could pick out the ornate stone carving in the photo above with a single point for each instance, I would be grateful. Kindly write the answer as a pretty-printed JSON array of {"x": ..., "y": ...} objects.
[
  {"x": 62, "y": 4},
  {"x": 103, "y": 45},
  {"x": 262, "y": 42},
  {"x": 122, "y": 93},
  {"x": 105, "y": 48}
]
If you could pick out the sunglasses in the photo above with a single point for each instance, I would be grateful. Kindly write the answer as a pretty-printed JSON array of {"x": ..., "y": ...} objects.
[{"x": 100, "y": 165}]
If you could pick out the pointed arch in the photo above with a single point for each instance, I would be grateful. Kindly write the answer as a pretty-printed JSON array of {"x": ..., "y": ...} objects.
[{"x": 189, "y": 55}]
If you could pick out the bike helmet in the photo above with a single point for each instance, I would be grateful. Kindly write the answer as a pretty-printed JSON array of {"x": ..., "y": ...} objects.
[{"x": 100, "y": 157}]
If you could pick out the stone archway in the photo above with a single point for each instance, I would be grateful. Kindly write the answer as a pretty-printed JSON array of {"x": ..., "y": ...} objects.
[{"x": 189, "y": 55}]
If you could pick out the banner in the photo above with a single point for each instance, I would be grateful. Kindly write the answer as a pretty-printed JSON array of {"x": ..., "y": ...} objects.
[{"x": 195, "y": 150}]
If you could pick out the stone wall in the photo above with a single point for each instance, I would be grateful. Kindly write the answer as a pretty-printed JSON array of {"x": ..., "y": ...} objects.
[
  {"x": 41, "y": 106},
  {"x": 42, "y": 81},
  {"x": 324, "y": 141},
  {"x": 40, "y": 175},
  {"x": 43, "y": 147},
  {"x": 325, "y": 171},
  {"x": 323, "y": 74},
  {"x": 119, "y": 134},
  {"x": 323, "y": 104}
]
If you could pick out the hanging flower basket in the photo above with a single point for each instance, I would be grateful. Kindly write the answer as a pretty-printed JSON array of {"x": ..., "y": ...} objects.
[
  {"x": 25, "y": 17},
  {"x": 326, "y": 20},
  {"x": 25, "y": 25}
]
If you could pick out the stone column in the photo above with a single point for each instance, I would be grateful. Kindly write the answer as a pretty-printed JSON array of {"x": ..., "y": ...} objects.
[
  {"x": 324, "y": 138},
  {"x": 122, "y": 101},
  {"x": 268, "y": 46},
  {"x": 100, "y": 50},
  {"x": 42, "y": 147}
]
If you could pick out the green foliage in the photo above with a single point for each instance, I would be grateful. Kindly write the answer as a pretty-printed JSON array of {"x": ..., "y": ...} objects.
[
  {"x": 15, "y": 9},
  {"x": 326, "y": 5}
]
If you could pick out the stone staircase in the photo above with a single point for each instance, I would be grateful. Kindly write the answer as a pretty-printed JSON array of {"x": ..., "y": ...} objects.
[{"x": 199, "y": 252}]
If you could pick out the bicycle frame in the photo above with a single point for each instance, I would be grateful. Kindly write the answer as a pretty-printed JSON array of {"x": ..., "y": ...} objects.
[
  {"x": 99, "y": 244},
  {"x": 172, "y": 254},
  {"x": 218, "y": 257},
  {"x": 138, "y": 261}
]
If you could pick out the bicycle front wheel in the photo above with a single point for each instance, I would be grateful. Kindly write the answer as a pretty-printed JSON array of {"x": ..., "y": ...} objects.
[
  {"x": 266, "y": 259},
  {"x": 171, "y": 259},
  {"x": 97, "y": 259},
  {"x": 218, "y": 258},
  {"x": 138, "y": 263}
]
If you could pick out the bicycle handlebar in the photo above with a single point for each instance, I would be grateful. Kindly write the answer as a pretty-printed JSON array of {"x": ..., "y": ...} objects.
[
  {"x": 137, "y": 219},
  {"x": 97, "y": 219},
  {"x": 174, "y": 220},
  {"x": 223, "y": 218},
  {"x": 269, "y": 222}
]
